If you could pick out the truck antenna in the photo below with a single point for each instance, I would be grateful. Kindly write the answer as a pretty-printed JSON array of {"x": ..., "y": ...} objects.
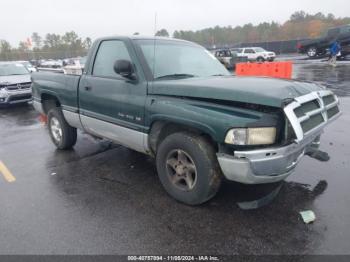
[{"x": 154, "y": 44}]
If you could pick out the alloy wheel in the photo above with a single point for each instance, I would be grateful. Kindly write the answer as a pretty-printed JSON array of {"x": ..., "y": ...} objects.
[
  {"x": 56, "y": 129},
  {"x": 181, "y": 170}
]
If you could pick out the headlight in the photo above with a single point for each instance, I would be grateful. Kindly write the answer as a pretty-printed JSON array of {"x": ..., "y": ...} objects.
[
  {"x": 3, "y": 94},
  {"x": 251, "y": 136}
]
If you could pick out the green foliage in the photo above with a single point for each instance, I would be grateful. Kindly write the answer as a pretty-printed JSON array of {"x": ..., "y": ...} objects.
[
  {"x": 163, "y": 32},
  {"x": 300, "y": 25},
  {"x": 37, "y": 40},
  {"x": 5, "y": 46},
  {"x": 51, "y": 46}
]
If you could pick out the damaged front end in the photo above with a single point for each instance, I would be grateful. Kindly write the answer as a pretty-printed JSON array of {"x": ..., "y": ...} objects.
[{"x": 306, "y": 116}]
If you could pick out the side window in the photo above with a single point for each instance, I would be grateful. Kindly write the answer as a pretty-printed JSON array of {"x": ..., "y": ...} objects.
[
  {"x": 346, "y": 30},
  {"x": 333, "y": 32},
  {"x": 249, "y": 51},
  {"x": 109, "y": 52}
]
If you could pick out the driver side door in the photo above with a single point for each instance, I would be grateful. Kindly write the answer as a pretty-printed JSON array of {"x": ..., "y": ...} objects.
[{"x": 112, "y": 106}]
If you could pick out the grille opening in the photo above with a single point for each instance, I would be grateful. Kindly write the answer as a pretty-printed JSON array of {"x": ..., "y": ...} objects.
[
  {"x": 306, "y": 107},
  {"x": 328, "y": 99},
  {"x": 332, "y": 112},
  {"x": 21, "y": 97},
  {"x": 19, "y": 86},
  {"x": 312, "y": 122}
]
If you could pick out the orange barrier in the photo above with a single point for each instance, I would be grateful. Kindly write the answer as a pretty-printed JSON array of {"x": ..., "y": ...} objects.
[{"x": 273, "y": 69}]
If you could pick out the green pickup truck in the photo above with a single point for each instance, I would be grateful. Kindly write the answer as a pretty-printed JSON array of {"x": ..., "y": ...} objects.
[{"x": 173, "y": 100}]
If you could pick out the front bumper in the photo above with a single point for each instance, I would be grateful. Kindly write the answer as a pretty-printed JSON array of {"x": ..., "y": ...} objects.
[
  {"x": 276, "y": 163},
  {"x": 15, "y": 97},
  {"x": 265, "y": 165}
]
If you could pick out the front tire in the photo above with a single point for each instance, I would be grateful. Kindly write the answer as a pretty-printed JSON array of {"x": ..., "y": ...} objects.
[
  {"x": 62, "y": 134},
  {"x": 188, "y": 168}
]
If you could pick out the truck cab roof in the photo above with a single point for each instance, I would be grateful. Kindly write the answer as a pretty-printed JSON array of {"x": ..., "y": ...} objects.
[{"x": 140, "y": 37}]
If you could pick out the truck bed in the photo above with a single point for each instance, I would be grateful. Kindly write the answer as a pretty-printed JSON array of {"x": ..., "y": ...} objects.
[{"x": 63, "y": 86}]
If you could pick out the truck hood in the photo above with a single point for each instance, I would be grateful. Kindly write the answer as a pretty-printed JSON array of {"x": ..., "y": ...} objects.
[
  {"x": 14, "y": 79},
  {"x": 254, "y": 90}
]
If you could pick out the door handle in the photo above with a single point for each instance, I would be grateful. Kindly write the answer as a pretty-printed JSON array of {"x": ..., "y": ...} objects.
[{"x": 88, "y": 88}]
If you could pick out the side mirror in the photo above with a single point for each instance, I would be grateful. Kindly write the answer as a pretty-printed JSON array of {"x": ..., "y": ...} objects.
[{"x": 125, "y": 69}]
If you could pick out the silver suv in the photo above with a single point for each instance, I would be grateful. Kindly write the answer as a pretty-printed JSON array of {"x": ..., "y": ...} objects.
[{"x": 15, "y": 84}]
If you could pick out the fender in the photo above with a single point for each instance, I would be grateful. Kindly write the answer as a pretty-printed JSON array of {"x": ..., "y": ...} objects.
[{"x": 210, "y": 118}]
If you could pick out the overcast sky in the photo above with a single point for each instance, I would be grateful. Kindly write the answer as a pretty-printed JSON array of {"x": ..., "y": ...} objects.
[{"x": 94, "y": 18}]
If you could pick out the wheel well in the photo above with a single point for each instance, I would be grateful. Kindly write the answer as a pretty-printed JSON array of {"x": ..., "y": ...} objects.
[
  {"x": 313, "y": 46},
  {"x": 161, "y": 129},
  {"x": 48, "y": 102}
]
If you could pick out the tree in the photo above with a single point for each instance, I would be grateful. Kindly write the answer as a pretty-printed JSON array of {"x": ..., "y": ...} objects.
[
  {"x": 162, "y": 32},
  {"x": 87, "y": 43},
  {"x": 298, "y": 16},
  {"x": 5, "y": 47},
  {"x": 53, "y": 40},
  {"x": 37, "y": 40},
  {"x": 315, "y": 28},
  {"x": 330, "y": 17},
  {"x": 5, "y": 50},
  {"x": 70, "y": 38},
  {"x": 23, "y": 46}
]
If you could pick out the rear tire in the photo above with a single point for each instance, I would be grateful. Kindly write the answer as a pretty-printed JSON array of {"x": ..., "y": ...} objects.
[
  {"x": 188, "y": 168},
  {"x": 311, "y": 52},
  {"x": 260, "y": 59},
  {"x": 62, "y": 134}
]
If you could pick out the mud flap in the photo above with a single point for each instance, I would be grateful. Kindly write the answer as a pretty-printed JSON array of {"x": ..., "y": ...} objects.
[
  {"x": 318, "y": 154},
  {"x": 265, "y": 200}
]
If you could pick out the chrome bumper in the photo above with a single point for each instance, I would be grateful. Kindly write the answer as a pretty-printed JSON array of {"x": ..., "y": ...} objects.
[
  {"x": 13, "y": 97},
  {"x": 274, "y": 164},
  {"x": 265, "y": 165}
]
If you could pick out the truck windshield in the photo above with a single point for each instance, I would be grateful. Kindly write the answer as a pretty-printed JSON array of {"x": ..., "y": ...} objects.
[
  {"x": 175, "y": 59},
  {"x": 12, "y": 69}
]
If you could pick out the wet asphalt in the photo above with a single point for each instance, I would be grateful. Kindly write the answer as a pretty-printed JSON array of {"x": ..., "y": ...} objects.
[{"x": 101, "y": 198}]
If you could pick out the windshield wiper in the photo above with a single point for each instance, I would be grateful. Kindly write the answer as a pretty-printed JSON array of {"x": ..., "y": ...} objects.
[{"x": 176, "y": 76}]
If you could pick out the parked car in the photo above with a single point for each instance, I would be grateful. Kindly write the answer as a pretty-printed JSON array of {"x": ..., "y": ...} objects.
[
  {"x": 255, "y": 54},
  {"x": 317, "y": 47},
  {"x": 75, "y": 66},
  {"x": 50, "y": 63},
  {"x": 14, "y": 84},
  {"x": 27, "y": 65},
  {"x": 198, "y": 121},
  {"x": 225, "y": 57}
]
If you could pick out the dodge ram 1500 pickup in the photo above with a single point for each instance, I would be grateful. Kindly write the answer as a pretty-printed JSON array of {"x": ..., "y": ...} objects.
[{"x": 173, "y": 100}]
